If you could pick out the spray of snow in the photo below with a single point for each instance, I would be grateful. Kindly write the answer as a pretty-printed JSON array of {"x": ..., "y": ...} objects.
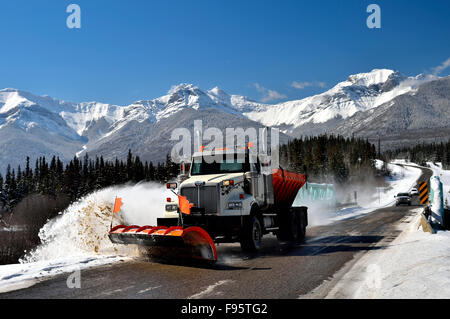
[
  {"x": 320, "y": 213},
  {"x": 82, "y": 230},
  {"x": 369, "y": 198}
]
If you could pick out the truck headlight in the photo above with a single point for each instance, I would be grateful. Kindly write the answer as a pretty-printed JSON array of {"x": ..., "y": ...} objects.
[
  {"x": 228, "y": 183},
  {"x": 234, "y": 205}
]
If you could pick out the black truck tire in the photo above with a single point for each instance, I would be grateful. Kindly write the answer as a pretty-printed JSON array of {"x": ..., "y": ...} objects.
[
  {"x": 303, "y": 214},
  {"x": 292, "y": 226},
  {"x": 251, "y": 235}
]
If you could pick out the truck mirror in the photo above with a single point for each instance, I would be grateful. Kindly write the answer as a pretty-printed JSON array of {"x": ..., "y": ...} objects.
[{"x": 171, "y": 185}]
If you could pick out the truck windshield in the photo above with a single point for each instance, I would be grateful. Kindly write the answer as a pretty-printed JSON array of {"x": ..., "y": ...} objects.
[{"x": 230, "y": 166}]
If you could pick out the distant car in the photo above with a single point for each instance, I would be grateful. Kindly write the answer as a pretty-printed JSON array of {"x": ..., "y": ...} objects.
[
  {"x": 403, "y": 198},
  {"x": 414, "y": 192}
]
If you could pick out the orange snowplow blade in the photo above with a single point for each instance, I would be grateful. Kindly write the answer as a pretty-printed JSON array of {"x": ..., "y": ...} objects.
[{"x": 190, "y": 242}]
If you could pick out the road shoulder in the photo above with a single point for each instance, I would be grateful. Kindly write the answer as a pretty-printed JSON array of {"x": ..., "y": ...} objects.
[{"x": 412, "y": 266}]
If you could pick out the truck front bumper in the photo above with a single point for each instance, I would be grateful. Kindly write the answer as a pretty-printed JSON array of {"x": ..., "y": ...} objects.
[{"x": 216, "y": 226}]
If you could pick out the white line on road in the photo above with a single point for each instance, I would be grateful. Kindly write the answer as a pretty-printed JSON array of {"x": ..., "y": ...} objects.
[
  {"x": 148, "y": 289},
  {"x": 210, "y": 289}
]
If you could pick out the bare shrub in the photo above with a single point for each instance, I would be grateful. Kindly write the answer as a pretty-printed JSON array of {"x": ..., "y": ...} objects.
[{"x": 28, "y": 217}]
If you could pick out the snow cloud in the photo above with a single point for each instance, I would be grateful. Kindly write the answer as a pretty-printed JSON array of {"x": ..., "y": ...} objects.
[
  {"x": 268, "y": 95},
  {"x": 444, "y": 65},
  {"x": 302, "y": 85}
]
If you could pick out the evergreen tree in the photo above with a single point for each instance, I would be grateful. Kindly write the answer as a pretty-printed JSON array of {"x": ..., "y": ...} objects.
[
  {"x": 130, "y": 166},
  {"x": 171, "y": 168},
  {"x": 2, "y": 192}
]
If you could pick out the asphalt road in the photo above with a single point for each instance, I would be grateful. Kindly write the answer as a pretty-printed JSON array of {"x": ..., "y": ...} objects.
[{"x": 278, "y": 271}]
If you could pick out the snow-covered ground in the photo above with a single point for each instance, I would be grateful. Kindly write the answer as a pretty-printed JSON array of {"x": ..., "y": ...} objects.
[
  {"x": 78, "y": 238},
  {"x": 19, "y": 276},
  {"x": 415, "y": 265}
]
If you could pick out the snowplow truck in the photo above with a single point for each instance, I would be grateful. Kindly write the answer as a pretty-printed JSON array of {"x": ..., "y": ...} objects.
[{"x": 239, "y": 198}]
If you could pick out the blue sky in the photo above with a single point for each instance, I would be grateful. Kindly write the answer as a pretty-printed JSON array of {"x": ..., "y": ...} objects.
[{"x": 138, "y": 49}]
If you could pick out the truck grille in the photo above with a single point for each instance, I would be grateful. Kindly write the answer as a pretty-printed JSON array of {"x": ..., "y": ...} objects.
[{"x": 208, "y": 197}]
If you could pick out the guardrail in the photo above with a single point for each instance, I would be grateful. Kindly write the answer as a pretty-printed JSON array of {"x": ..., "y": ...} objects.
[{"x": 426, "y": 225}]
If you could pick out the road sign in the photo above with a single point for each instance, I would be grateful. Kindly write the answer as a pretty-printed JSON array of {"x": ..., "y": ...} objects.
[{"x": 423, "y": 191}]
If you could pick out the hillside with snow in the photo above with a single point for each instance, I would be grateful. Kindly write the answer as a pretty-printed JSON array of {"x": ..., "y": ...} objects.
[
  {"x": 34, "y": 126},
  {"x": 421, "y": 115},
  {"x": 323, "y": 112}
]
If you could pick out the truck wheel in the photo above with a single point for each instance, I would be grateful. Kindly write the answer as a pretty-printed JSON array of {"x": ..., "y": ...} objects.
[
  {"x": 298, "y": 224},
  {"x": 302, "y": 227},
  {"x": 293, "y": 226},
  {"x": 251, "y": 235}
]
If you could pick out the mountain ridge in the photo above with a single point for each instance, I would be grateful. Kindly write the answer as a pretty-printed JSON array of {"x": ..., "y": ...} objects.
[
  {"x": 422, "y": 114},
  {"x": 86, "y": 126}
]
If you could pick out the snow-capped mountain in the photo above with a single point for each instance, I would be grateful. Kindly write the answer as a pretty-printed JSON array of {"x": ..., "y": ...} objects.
[
  {"x": 422, "y": 115},
  {"x": 360, "y": 92},
  {"x": 32, "y": 125},
  {"x": 75, "y": 120},
  {"x": 26, "y": 111}
]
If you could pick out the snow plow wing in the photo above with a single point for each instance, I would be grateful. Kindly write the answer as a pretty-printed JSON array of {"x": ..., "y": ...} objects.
[{"x": 190, "y": 242}]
